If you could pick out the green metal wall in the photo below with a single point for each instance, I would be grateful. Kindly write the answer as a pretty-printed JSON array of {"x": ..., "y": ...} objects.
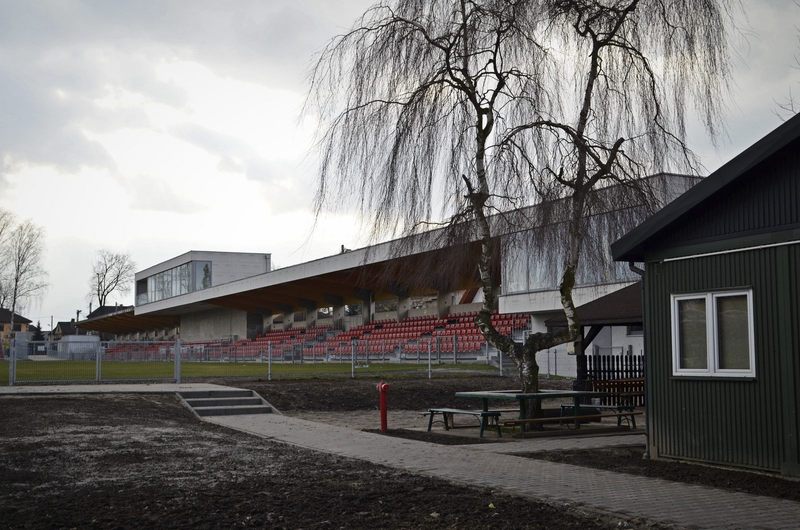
[
  {"x": 764, "y": 199},
  {"x": 750, "y": 423}
]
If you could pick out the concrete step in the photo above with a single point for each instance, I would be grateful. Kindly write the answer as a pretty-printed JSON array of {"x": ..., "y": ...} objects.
[
  {"x": 223, "y": 402},
  {"x": 192, "y": 394},
  {"x": 232, "y": 411}
]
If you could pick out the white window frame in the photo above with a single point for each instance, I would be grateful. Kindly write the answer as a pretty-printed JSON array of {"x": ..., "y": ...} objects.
[{"x": 712, "y": 335}]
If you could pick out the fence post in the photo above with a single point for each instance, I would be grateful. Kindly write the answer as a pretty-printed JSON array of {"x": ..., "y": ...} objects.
[
  {"x": 501, "y": 361},
  {"x": 486, "y": 344},
  {"x": 429, "y": 358},
  {"x": 12, "y": 372},
  {"x": 98, "y": 368},
  {"x": 455, "y": 349},
  {"x": 269, "y": 360},
  {"x": 548, "y": 363},
  {"x": 353, "y": 359},
  {"x": 178, "y": 361}
]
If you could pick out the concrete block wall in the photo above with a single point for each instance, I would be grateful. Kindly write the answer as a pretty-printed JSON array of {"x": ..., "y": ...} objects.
[{"x": 214, "y": 324}]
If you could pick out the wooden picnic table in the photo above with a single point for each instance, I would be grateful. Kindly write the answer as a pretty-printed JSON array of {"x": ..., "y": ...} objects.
[{"x": 528, "y": 400}]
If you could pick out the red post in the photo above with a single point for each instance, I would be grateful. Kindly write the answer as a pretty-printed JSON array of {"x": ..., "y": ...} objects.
[{"x": 383, "y": 389}]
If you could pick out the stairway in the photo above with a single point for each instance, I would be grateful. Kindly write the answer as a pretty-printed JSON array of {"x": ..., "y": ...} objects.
[{"x": 225, "y": 402}]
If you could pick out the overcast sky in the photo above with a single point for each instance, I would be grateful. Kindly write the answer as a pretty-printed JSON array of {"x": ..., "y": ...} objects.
[{"x": 157, "y": 127}]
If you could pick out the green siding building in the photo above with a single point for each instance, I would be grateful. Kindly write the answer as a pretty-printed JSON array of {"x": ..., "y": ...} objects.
[{"x": 722, "y": 312}]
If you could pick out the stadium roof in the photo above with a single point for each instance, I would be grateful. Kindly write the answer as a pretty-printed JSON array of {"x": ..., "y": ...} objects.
[{"x": 124, "y": 321}]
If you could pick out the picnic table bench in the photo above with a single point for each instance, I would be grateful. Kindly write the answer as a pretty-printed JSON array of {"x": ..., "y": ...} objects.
[
  {"x": 620, "y": 396},
  {"x": 484, "y": 416}
]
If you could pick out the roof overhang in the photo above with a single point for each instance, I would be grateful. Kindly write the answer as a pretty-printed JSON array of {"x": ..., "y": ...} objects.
[
  {"x": 126, "y": 321},
  {"x": 620, "y": 308},
  {"x": 633, "y": 245}
]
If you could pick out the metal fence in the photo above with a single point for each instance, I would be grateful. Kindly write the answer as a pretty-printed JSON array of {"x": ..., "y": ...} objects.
[
  {"x": 622, "y": 366},
  {"x": 86, "y": 360}
]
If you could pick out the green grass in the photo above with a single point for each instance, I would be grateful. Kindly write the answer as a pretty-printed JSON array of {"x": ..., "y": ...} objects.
[{"x": 46, "y": 371}]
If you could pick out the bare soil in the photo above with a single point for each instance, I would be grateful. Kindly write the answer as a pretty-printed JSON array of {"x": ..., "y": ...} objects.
[
  {"x": 629, "y": 460},
  {"x": 144, "y": 461},
  {"x": 361, "y": 394}
]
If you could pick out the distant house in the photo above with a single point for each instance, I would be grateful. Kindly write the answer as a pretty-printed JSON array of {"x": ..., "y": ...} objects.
[
  {"x": 66, "y": 328},
  {"x": 20, "y": 324},
  {"x": 722, "y": 312}
]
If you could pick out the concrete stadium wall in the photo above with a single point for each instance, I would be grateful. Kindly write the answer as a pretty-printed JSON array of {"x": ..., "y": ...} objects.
[{"x": 214, "y": 324}]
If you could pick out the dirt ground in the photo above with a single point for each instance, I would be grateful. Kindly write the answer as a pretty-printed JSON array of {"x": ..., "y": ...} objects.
[
  {"x": 360, "y": 394},
  {"x": 409, "y": 396},
  {"x": 629, "y": 460},
  {"x": 144, "y": 461}
]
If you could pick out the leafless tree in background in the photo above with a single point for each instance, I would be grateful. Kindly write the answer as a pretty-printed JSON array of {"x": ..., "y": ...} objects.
[
  {"x": 472, "y": 109},
  {"x": 24, "y": 253},
  {"x": 111, "y": 272},
  {"x": 790, "y": 106},
  {"x": 6, "y": 226}
]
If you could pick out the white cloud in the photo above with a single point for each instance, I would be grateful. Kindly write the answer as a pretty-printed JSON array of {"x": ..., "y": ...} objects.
[{"x": 158, "y": 127}]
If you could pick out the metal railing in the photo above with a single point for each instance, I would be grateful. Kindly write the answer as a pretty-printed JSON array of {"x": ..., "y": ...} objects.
[
  {"x": 318, "y": 353},
  {"x": 95, "y": 361}
]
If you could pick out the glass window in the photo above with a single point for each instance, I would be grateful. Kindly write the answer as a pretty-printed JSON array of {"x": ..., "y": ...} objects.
[
  {"x": 712, "y": 334},
  {"x": 733, "y": 333},
  {"x": 692, "y": 334},
  {"x": 202, "y": 275}
]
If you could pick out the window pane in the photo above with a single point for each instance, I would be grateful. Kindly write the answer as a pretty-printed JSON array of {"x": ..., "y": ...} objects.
[
  {"x": 692, "y": 334},
  {"x": 733, "y": 333}
]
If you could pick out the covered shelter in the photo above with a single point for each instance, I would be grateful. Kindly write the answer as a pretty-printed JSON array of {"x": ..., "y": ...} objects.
[{"x": 619, "y": 308}]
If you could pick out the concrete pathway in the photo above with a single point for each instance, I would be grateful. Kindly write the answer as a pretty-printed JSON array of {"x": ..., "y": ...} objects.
[{"x": 680, "y": 504}]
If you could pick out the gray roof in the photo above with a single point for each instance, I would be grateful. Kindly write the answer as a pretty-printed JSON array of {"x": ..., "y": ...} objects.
[{"x": 5, "y": 317}]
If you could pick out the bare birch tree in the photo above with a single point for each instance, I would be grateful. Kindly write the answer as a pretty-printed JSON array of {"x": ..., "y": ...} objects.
[
  {"x": 24, "y": 252},
  {"x": 111, "y": 272},
  {"x": 454, "y": 113},
  {"x": 6, "y": 226}
]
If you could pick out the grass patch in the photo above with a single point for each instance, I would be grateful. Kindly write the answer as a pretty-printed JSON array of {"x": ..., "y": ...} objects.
[{"x": 54, "y": 371}]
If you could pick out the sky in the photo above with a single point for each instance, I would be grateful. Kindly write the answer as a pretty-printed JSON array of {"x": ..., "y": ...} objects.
[{"x": 158, "y": 127}]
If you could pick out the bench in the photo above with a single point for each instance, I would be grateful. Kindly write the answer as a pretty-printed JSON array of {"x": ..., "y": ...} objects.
[
  {"x": 482, "y": 415},
  {"x": 621, "y": 412},
  {"x": 569, "y": 419},
  {"x": 621, "y": 392}
]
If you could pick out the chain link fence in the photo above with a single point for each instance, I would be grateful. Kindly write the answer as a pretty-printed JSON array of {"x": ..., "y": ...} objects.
[{"x": 83, "y": 360}]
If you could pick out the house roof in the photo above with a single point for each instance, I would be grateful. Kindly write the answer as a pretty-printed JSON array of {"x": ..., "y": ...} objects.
[
  {"x": 108, "y": 310},
  {"x": 620, "y": 308},
  {"x": 631, "y": 247},
  {"x": 5, "y": 317},
  {"x": 68, "y": 328}
]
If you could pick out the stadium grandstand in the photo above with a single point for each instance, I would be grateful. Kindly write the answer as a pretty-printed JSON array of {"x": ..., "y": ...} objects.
[{"x": 397, "y": 299}]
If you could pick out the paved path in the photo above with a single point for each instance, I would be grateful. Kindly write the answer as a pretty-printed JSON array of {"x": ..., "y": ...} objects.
[{"x": 684, "y": 505}]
